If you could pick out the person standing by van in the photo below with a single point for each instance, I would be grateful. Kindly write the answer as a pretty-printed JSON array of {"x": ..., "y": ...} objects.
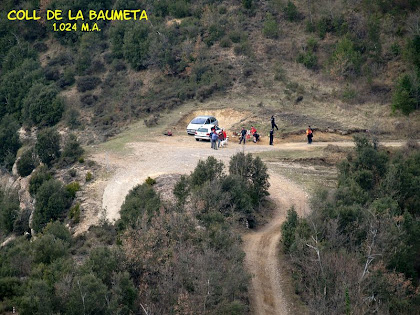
[{"x": 243, "y": 135}]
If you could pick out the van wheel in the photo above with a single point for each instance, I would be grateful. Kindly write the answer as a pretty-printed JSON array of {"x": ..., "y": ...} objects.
[{"x": 197, "y": 139}]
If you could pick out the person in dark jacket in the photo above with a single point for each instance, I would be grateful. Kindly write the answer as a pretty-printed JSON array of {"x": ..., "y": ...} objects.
[
  {"x": 271, "y": 136},
  {"x": 273, "y": 123},
  {"x": 214, "y": 138},
  {"x": 243, "y": 135}
]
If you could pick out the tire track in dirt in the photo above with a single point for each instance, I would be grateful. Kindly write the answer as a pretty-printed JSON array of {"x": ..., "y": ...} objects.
[{"x": 261, "y": 247}]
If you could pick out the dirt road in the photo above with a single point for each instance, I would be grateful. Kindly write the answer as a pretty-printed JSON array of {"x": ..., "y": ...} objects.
[{"x": 178, "y": 155}]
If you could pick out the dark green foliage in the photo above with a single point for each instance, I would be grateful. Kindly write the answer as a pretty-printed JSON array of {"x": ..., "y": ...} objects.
[
  {"x": 72, "y": 150},
  {"x": 103, "y": 263},
  {"x": 73, "y": 118},
  {"x": 48, "y": 248},
  {"x": 270, "y": 28},
  {"x": 87, "y": 83},
  {"x": 345, "y": 59},
  {"x": 181, "y": 189},
  {"x": 9, "y": 141},
  {"x": 52, "y": 199},
  {"x": 216, "y": 32},
  {"x": 248, "y": 4},
  {"x": 179, "y": 8},
  {"x": 67, "y": 79},
  {"x": 208, "y": 170},
  {"x": 15, "y": 86},
  {"x": 42, "y": 106},
  {"x": 74, "y": 213},
  {"x": 89, "y": 293},
  {"x": 37, "y": 179},
  {"x": 59, "y": 231},
  {"x": 141, "y": 202},
  {"x": 406, "y": 97},
  {"x": 21, "y": 224},
  {"x": 27, "y": 163},
  {"x": 73, "y": 188},
  {"x": 48, "y": 145},
  {"x": 308, "y": 59},
  {"x": 136, "y": 45},
  {"x": 253, "y": 171},
  {"x": 9, "y": 209},
  {"x": 240, "y": 197},
  {"x": 150, "y": 181},
  {"x": 288, "y": 229},
  {"x": 367, "y": 230},
  {"x": 413, "y": 51},
  {"x": 291, "y": 12}
]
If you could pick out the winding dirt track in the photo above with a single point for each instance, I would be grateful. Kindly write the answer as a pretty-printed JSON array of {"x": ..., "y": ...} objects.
[{"x": 180, "y": 155}]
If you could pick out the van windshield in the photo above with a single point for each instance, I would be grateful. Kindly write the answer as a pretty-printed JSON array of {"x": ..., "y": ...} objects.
[{"x": 198, "y": 120}]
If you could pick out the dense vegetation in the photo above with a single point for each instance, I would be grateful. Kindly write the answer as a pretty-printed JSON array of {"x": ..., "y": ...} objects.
[
  {"x": 180, "y": 51},
  {"x": 358, "y": 251},
  {"x": 181, "y": 255}
]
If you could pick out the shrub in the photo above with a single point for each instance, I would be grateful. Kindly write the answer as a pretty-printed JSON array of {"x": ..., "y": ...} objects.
[
  {"x": 48, "y": 248},
  {"x": 181, "y": 189},
  {"x": 67, "y": 79},
  {"x": 72, "y": 150},
  {"x": 406, "y": 97},
  {"x": 87, "y": 83},
  {"x": 308, "y": 59},
  {"x": 9, "y": 141},
  {"x": 291, "y": 12},
  {"x": 271, "y": 28},
  {"x": 288, "y": 229},
  {"x": 236, "y": 36},
  {"x": 42, "y": 106},
  {"x": 247, "y": 4},
  {"x": 72, "y": 188},
  {"x": 21, "y": 224},
  {"x": 140, "y": 201},
  {"x": 150, "y": 181},
  {"x": 89, "y": 176},
  {"x": 208, "y": 170},
  {"x": 27, "y": 163},
  {"x": 74, "y": 213},
  {"x": 345, "y": 60},
  {"x": 58, "y": 230},
  {"x": 52, "y": 199},
  {"x": 225, "y": 42},
  {"x": 179, "y": 8},
  {"x": 9, "y": 209},
  {"x": 253, "y": 171},
  {"x": 215, "y": 32},
  {"x": 48, "y": 145},
  {"x": 72, "y": 118},
  {"x": 136, "y": 45},
  {"x": 37, "y": 179}
]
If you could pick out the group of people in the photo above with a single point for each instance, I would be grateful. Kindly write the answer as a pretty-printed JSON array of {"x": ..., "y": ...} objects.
[{"x": 217, "y": 138}]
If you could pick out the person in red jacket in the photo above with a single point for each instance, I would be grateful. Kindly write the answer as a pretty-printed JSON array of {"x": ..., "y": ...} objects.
[
  {"x": 224, "y": 134},
  {"x": 253, "y": 130}
]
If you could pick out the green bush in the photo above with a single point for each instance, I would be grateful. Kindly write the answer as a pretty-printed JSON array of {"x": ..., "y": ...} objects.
[
  {"x": 291, "y": 12},
  {"x": 42, "y": 106},
  {"x": 89, "y": 176},
  {"x": 270, "y": 28},
  {"x": 27, "y": 163},
  {"x": 215, "y": 32},
  {"x": 288, "y": 229},
  {"x": 136, "y": 45},
  {"x": 59, "y": 231},
  {"x": 179, "y": 8},
  {"x": 345, "y": 59},
  {"x": 254, "y": 173},
  {"x": 225, "y": 42},
  {"x": 74, "y": 213},
  {"x": 72, "y": 118},
  {"x": 150, "y": 181},
  {"x": 141, "y": 201},
  {"x": 308, "y": 59},
  {"x": 9, "y": 141},
  {"x": 9, "y": 210},
  {"x": 181, "y": 189},
  {"x": 48, "y": 145},
  {"x": 73, "y": 188},
  {"x": 52, "y": 199},
  {"x": 48, "y": 248},
  {"x": 205, "y": 171},
  {"x": 72, "y": 150},
  {"x": 37, "y": 179},
  {"x": 406, "y": 96},
  {"x": 87, "y": 83}
]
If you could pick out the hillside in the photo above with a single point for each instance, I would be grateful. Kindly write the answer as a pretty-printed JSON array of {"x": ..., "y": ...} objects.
[{"x": 102, "y": 213}]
